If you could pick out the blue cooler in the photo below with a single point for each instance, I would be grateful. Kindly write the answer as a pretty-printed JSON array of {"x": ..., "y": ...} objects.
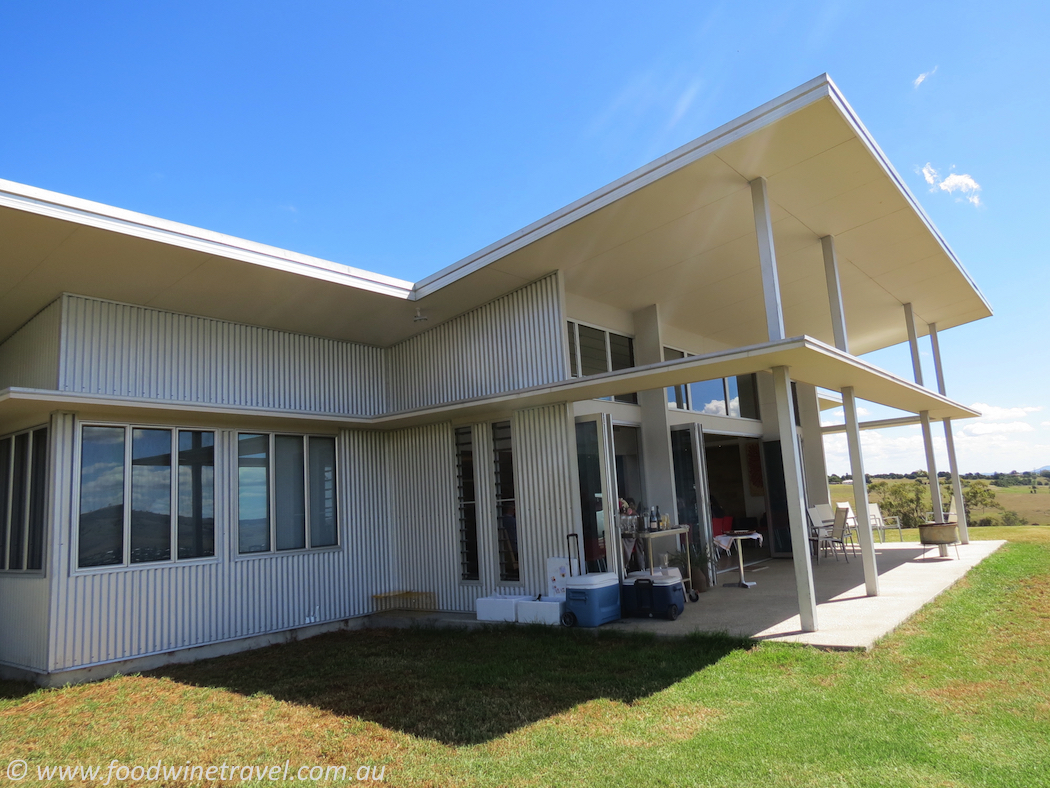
[
  {"x": 591, "y": 600},
  {"x": 645, "y": 595}
]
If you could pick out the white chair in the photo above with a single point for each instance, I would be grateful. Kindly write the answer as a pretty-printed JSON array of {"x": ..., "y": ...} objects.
[
  {"x": 819, "y": 530},
  {"x": 842, "y": 530},
  {"x": 880, "y": 523}
]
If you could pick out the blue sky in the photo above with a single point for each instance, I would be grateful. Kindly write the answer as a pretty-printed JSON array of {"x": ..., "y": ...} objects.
[{"x": 400, "y": 137}]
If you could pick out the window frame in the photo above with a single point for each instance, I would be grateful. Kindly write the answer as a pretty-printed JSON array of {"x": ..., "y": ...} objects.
[
  {"x": 8, "y": 498},
  {"x": 126, "y": 565},
  {"x": 271, "y": 494},
  {"x": 688, "y": 393},
  {"x": 576, "y": 356}
]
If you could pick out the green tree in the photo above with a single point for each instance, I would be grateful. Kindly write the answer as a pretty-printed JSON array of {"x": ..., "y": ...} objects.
[
  {"x": 908, "y": 500},
  {"x": 978, "y": 495}
]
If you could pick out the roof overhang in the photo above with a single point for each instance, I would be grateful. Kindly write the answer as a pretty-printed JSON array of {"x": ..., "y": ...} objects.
[
  {"x": 678, "y": 232},
  {"x": 808, "y": 360}
]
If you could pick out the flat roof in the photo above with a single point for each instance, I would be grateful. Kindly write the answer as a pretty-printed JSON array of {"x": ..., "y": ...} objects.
[{"x": 678, "y": 232}]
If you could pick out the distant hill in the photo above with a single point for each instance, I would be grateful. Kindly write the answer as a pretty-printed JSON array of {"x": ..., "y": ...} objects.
[{"x": 1044, "y": 468}]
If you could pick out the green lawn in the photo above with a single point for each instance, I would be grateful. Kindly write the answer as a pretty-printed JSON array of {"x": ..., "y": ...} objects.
[{"x": 959, "y": 696}]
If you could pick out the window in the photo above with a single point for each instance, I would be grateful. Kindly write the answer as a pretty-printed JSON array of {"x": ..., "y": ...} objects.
[
  {"x": 124, "y": 463},
  {"x": 736, "y": 396},
  {"x": 468, "y": 515},
  {"x": 593, "y": 351},
  {"x": 23, "y": 499},
  {"x": 506, "y": 514},
  {"x": 286, "y": 496}
]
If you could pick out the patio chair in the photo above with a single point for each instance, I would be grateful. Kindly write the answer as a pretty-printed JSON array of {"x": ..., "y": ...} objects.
[
  {"x": 880, "y": 523},
  {"x": 819, "y": 530},
  {"x": 840, "y": 532},
  {"x": 826, "y": 512},
  {"x": 851, "y": 523}
]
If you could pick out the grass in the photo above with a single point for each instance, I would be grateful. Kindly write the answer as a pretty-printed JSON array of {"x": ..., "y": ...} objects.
[{"x": 959, "y": 696}]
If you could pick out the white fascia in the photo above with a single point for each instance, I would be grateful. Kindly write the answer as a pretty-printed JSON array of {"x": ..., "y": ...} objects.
[{"x": 105, "y": 217}]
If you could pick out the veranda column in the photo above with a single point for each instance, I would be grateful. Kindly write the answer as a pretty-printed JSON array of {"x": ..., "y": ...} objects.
[
  {"x": 924, "y": 417},
  {"x": 949, "y": 439},
  {"x": 849, "y": 406},
  {"x": 807, "y": 598}
]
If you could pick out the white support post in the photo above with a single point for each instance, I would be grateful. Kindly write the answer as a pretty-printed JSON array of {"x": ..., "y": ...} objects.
[
  {"x": 860, "y": 493},
  {"x": 924, "y": 418},
  {"x": 831, "y": 272},
  {"x": 807, "y": 598},
  {"x": 849, "y": 405},
  {"x": 949, "y": 439},
  {"x": 913, "y": 342},
  {"x": 767, "y": 259}
]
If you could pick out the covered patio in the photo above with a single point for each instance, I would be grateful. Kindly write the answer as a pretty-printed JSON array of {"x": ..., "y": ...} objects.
[{"x": 910, "y": 576}]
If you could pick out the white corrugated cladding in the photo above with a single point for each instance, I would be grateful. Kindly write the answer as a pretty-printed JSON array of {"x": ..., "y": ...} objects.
[
  {"x": 23, "y": 620},
  {"x": 510, "y": 343},
  {"x": 107, "y": 615},
  {"x": 133, "y": 351},
  {"x": 399, "y": 524},
  {"x": 542, "y": 458},
  {"x": 29, "y": 357}
]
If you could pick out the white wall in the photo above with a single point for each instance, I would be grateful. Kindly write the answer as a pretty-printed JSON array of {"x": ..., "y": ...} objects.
[{"x": 29, "y": 357}]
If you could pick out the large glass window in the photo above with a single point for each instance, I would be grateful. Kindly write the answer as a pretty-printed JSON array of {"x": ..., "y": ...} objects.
[
  {"x": 506, "y": 512},
  {"x": 468, "y": 515},
  {"x": 122, "y": 464},
  {"x": 324, "y": 526},
  {"x": 709, "y": 396},
  {"x": 735, "y": 396},
  {"x": 286, "y": 492},
  {"x": 150, "y": 495},
  {"x": 196, "y": 534},
  {"x": 23, "y": 499},
  {"x": 101, "y": 534},
  {"x": 253, "y": 493}
]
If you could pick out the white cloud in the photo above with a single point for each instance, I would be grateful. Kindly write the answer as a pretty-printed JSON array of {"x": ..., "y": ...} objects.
[
  {"x": 1045, "y": 424},
  {"x": 997, "y": 428},
  {"x": 923, "y": 77},
  {"x": 995, "y": 413},
  {"x": 964, "y": 184},
  {"x": 954, "y": 182}
]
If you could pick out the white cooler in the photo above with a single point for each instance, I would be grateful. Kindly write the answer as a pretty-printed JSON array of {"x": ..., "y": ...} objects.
[
  {"x": 500, "y": 607},
  {"x": 545, "y": 610}
]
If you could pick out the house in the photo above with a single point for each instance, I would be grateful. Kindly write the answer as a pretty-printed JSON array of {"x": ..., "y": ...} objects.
[{"x": 207, "y": 444}]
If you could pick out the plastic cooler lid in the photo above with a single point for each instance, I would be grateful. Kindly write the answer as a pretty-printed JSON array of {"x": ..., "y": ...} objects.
[
  {"x": 658, "y": 580},
  {"x": 595, "y": 580}
]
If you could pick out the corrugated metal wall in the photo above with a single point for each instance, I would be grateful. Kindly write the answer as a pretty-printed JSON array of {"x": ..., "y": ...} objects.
[
  {"x": 23, "y": 620},
  {"x": 124, "y": 350},
  {"x": 399, "y": 526},
  {"x": 512, "y": 342},
  {"x": 101, "y": 616},
  {"x": 424, "y": 518},
  {"x": 543, "y": 477},
  {"x": 29, "y": 357}
]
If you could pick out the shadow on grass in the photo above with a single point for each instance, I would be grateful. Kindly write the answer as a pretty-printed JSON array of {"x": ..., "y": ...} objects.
[
  {"x": 16, "y": 690},
  {"x": 455, "y": 686}
]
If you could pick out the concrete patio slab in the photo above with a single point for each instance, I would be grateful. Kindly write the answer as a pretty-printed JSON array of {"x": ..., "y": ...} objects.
[{"x": 910, "y": 576}]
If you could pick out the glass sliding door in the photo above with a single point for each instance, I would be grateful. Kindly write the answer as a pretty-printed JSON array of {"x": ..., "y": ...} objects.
[
  {"x": 690, "y": 476},
  {"x": 597, "y": 498}
]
